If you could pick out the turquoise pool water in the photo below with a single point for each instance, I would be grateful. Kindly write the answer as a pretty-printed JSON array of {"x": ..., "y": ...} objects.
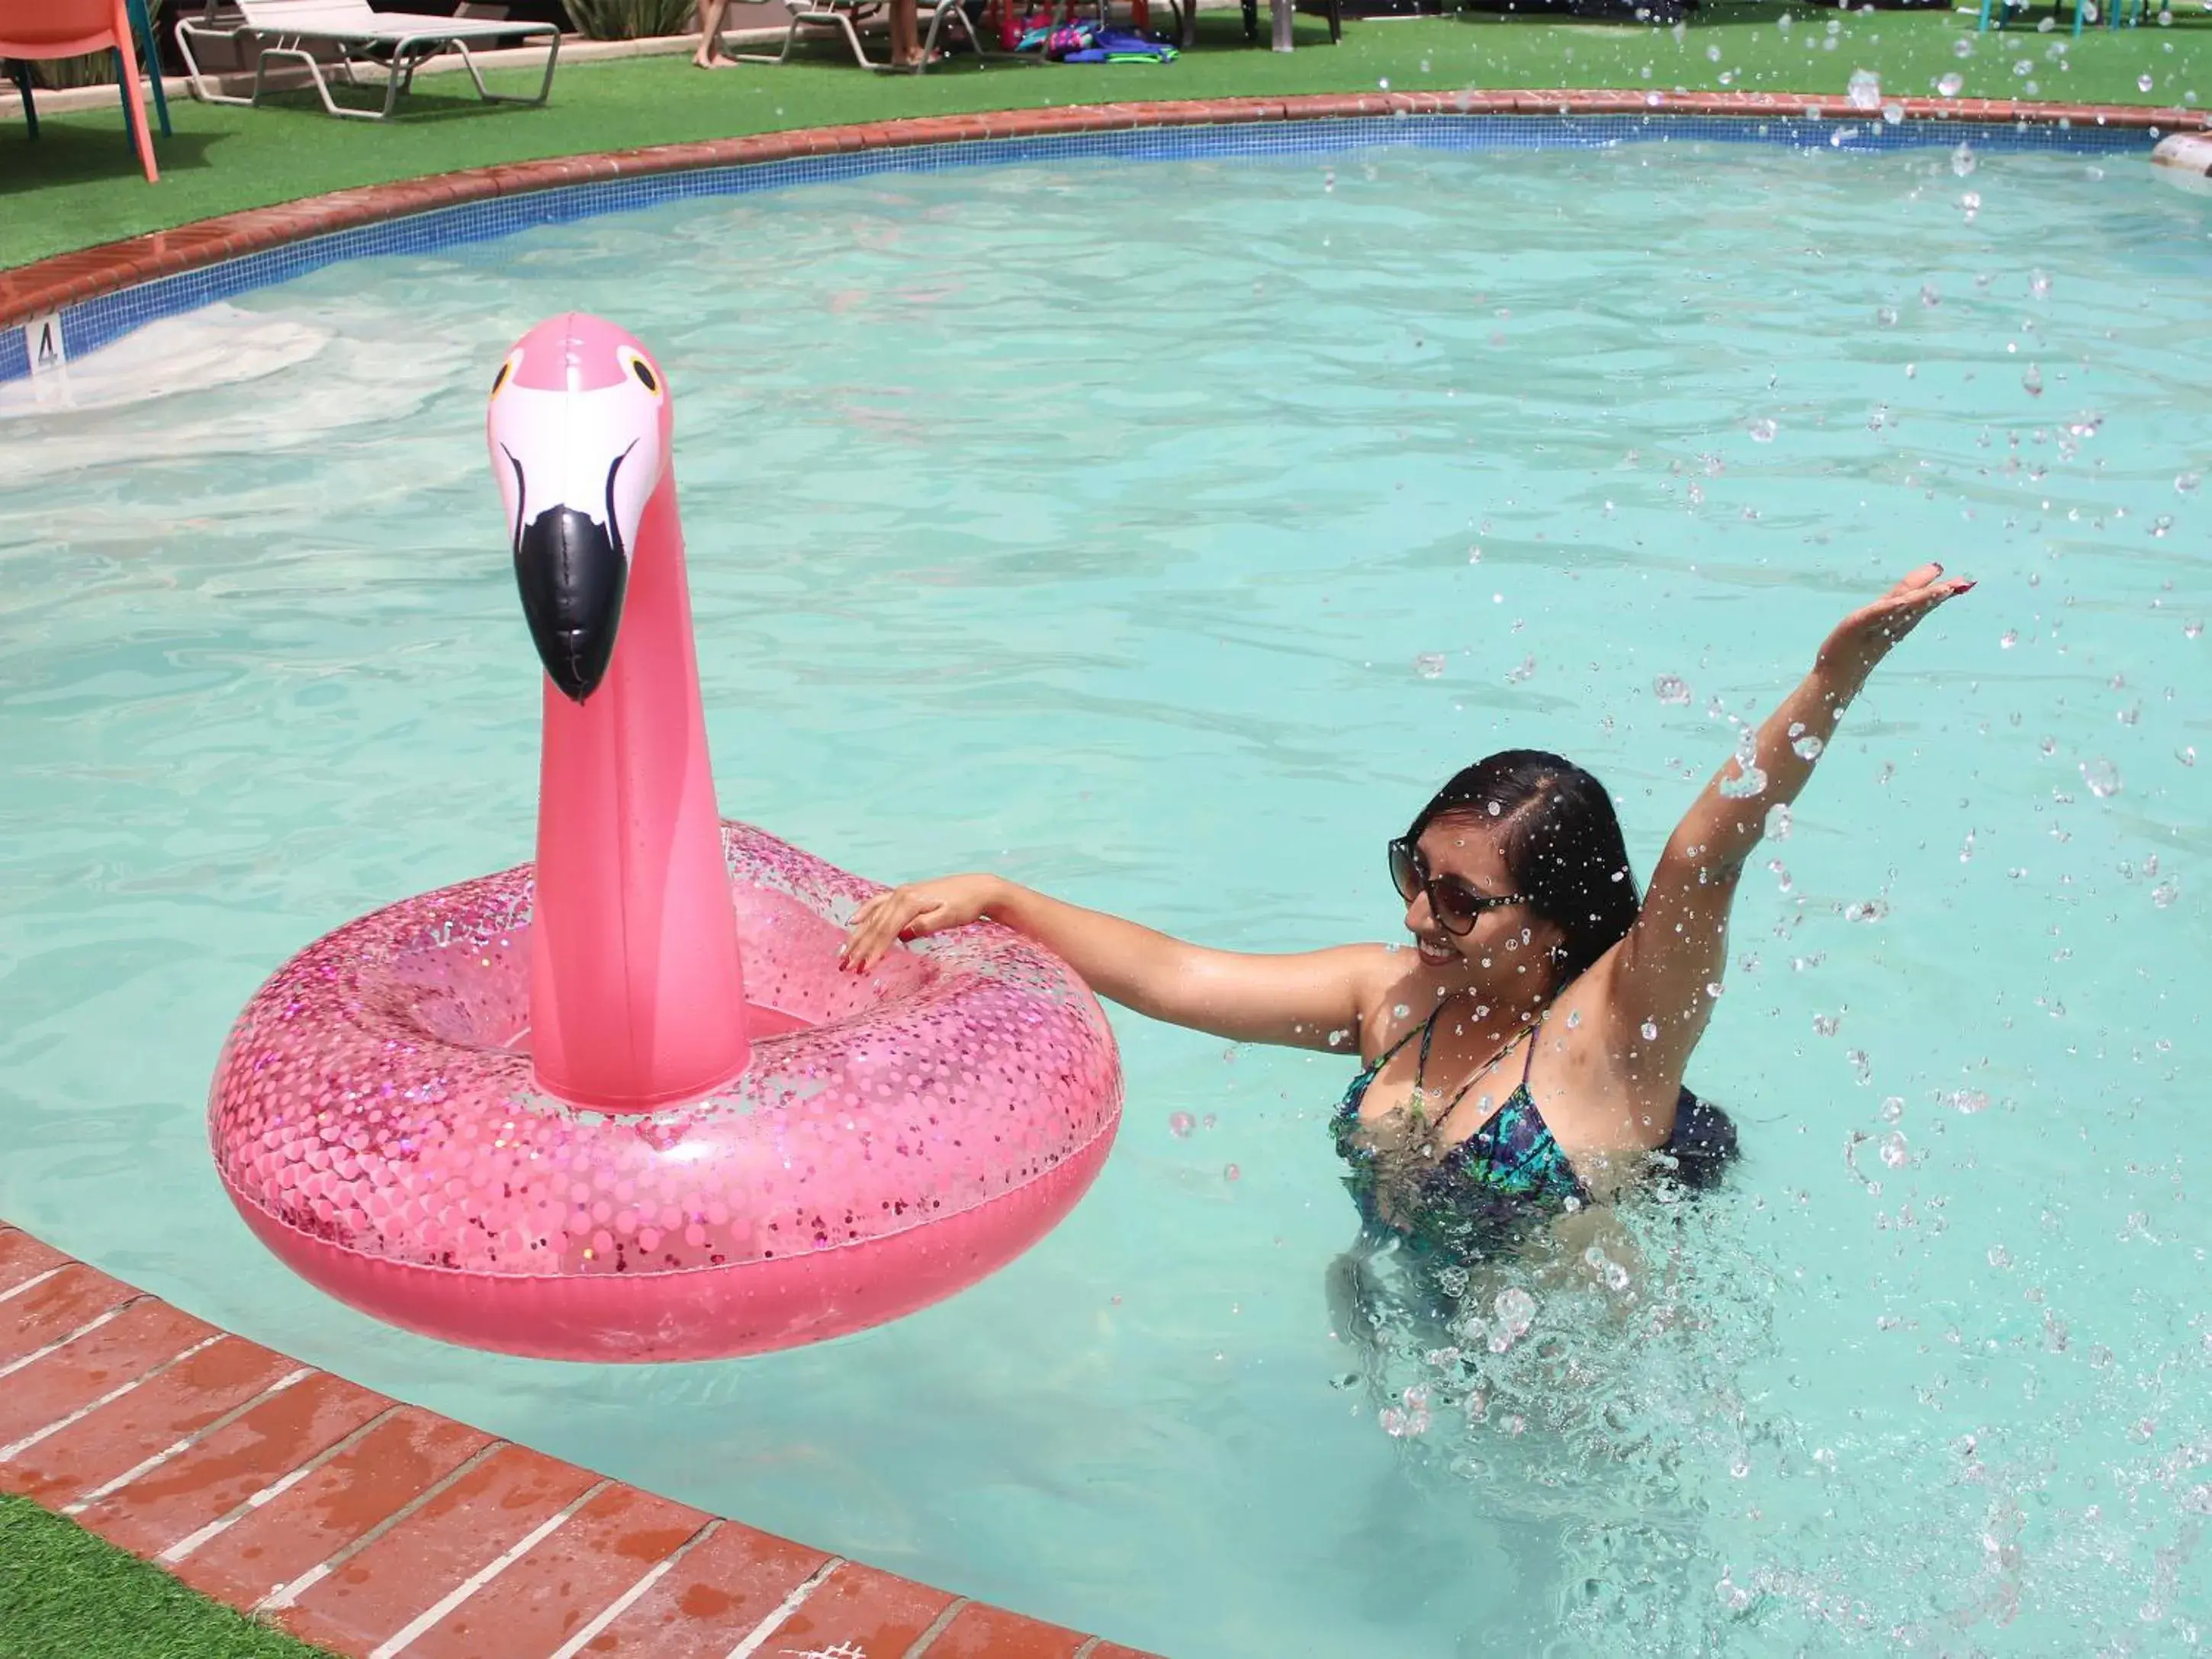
[{"x": 1160, "y": 535}]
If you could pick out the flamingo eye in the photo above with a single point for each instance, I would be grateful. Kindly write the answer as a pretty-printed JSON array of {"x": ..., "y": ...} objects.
[
  {"x": 505, "y": 373},
  {"x": 641, "y": 372}
]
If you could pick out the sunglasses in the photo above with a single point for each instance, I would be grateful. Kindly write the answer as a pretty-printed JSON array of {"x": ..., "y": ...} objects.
[{"x": 1456, "y": 906}]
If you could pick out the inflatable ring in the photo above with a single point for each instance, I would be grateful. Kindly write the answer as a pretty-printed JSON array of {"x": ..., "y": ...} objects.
[{"x": 625, "y": 1103}]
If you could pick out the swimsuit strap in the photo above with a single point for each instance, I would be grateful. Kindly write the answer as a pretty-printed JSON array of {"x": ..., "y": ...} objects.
[
  {"x": 1428, "y": 1030},
  {"x": 1482, "y": 1071},
  {"x": 1390, "y": 1053}
]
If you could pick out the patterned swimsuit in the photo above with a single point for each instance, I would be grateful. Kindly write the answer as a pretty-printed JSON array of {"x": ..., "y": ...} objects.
[{"x": 1464, "y": 1198}]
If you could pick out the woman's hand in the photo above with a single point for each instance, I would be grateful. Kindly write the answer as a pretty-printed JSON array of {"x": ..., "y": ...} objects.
[
  {"x": 1862, "y": 639},
  {"x": 915, "y": 911},
  {"x": 1664, "y": 976}
]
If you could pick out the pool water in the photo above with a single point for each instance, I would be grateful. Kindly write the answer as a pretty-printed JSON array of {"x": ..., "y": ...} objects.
[{"x": 1160, "y": 536}]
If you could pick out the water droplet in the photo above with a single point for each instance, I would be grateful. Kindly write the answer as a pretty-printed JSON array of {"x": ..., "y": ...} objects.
[
  {"x": 1739, "y": 1466},
  {"x": 1968, "y": 1101},
  {"x": 1762, "y": 431},
  {"x": 2161, "y": 524},
  {"x": 1893, "y": 114},
  {"x": 1885, "y": 315},
  {"x": 1384, "y": 83},
  {"x": 2186, "y": 754},
  {"x": 2191, "y": 630},
  {"x": 1863, "y": 89},
  {"x": 1748, "y": 780},
  {"x": 2102, "y": 777},
  {"x": 1651, "y": 1030},
  {"x": 2000, "y": 1257},
  {"x": 1892, "y": 1109},
  {"x": 1327, "y": 179},
  {"x": 1950, "y": 84},
  {"x": 2186, "y": 483},
  {"x": 1230, "y": 1172},
  {"x": 2032, "y": 381},
  {"x": 1963, "y": 46},
  {"x": 2142, "y": 83},
  {"x": 1893, "y": 1151},
  {"x": 1669, "y": 689},
  {"x": 2038, "y": 284},
  {"x": 1825, "y": 1024},
  {"x": 1430, "y": 665},
  {"x": 1180, "y": 1125},
  {"x": 1808, "y": 747},
  {"x": 1963, "y": 159},
  {"x": 1777, "y": 822},
  {"x": 2165, "y": 893},
  {"x": 1516, "y": 1310}
]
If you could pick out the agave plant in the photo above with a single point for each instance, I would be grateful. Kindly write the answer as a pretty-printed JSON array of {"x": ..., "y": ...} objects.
[{"x": 632, "y": 20}]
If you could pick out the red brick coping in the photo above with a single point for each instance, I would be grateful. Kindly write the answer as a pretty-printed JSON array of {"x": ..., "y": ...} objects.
[
  {"x": 380, "y": 1529},
  {"x": 68, "y": 279}
]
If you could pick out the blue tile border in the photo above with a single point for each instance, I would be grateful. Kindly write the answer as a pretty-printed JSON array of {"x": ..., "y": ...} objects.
[{"x": 88, "y": 325}]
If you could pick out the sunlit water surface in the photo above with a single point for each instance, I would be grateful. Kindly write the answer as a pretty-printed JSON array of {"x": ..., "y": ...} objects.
[{"x": 1160, "y": 535}]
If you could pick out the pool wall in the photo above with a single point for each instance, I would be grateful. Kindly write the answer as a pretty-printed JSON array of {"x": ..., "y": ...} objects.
[
  {"x": 376, "y": 1528},
  {"x": 98, "y": 295}
]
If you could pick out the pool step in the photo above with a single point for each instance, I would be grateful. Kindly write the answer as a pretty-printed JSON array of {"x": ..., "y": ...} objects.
[{"x": 377, "y": 1529}]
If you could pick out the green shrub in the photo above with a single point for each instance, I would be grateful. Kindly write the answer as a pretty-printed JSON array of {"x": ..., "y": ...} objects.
[{"x": 632, "y": 20}]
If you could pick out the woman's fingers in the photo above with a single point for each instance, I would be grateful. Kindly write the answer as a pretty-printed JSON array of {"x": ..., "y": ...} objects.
[
  {"x": 869, "y": 931},
  {"x": 898, "y": 914}
]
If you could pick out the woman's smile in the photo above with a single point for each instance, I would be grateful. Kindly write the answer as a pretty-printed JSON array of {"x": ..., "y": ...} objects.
[{"x": 1435, "y": 954}]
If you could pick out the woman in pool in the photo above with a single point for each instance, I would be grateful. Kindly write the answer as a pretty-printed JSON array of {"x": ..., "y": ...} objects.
[{"x": 1528, "y": 1055}]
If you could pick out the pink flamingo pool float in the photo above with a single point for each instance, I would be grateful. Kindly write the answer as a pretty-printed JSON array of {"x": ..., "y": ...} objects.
[{"x": 622, "y": 1104}]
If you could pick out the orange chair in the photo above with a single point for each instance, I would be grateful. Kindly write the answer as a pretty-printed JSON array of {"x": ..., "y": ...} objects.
[{"x": 32, "y": 29}]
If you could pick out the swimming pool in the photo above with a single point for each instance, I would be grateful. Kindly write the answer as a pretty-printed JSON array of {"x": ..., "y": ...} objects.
[{"x": 1161, "y": 536}]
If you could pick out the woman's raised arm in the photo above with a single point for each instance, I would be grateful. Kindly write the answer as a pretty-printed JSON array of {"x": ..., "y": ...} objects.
[{"x": 1679, "y": 945}]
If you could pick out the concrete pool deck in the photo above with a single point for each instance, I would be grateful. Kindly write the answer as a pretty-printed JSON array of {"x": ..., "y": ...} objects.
[{"x": 376, "y": 1528}]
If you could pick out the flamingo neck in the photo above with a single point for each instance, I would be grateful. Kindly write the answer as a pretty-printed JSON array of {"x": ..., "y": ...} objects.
[{"x": 637, "y": 995}]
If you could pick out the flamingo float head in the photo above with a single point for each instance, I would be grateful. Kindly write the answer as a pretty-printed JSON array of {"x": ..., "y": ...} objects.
[{"x": 579, "y": 429}]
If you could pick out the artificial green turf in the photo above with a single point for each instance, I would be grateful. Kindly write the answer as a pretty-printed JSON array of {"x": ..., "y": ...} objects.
[
  {"x": 78, "y": 184},
  {"x": 67, "y": 1594}
]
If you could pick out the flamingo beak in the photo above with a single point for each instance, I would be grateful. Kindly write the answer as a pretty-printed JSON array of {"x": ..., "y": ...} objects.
[
  {"x": 576, "y": 469},
  {"x": 572, "y": 569}
]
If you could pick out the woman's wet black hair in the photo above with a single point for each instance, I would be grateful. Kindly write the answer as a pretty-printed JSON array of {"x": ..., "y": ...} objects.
[{"x": 1560, "y": 839}]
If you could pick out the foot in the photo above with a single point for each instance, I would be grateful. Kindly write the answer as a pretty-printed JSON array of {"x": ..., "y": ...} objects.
[{"x": 701, "y": 60}]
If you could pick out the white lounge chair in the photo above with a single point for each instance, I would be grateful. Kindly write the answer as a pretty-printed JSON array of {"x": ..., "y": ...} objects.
[
  {"x": 396, "y": 42},
  {"x": 847, "y": 15}
]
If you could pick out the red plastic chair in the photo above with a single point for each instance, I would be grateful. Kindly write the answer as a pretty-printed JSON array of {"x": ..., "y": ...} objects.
[{"x": 32, "y": 29}]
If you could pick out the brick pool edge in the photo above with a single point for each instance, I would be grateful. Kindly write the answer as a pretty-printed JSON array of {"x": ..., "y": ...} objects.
[
  {"x": 68, "y": 279},
  {"x": 376, "y": 1528}
]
